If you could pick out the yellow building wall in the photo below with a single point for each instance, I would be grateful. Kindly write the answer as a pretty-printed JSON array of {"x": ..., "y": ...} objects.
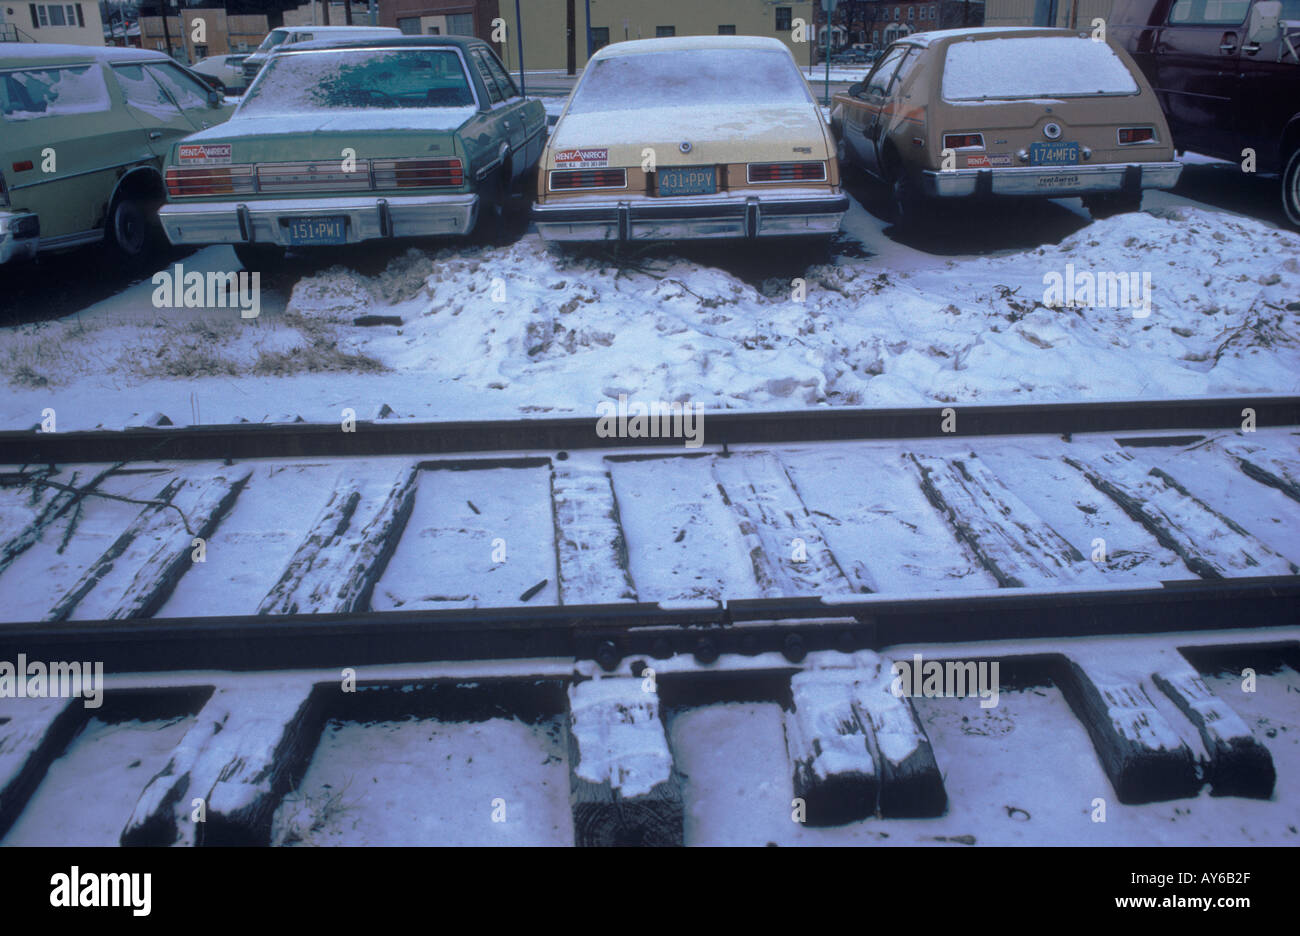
[{"x": 544, "y": 24}]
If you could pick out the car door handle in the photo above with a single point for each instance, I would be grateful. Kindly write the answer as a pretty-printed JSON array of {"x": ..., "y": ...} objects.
[
  {"x": 1250, "y": 48},
  {"x": 155, "y": 134},
  {"x": 1227, "y": 47}
]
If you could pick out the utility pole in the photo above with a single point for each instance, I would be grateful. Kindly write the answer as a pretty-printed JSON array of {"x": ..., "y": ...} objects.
[{"x": 167, "y": 33}]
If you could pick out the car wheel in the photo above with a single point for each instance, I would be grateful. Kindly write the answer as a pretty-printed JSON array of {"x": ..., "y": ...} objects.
[
  {"x": 133, "y": 231},
  {"x": 494, "y": 205},
  {"x": 843, "y": 155},
  {"x": 1291, "y": 188},
  {"x": 267, "y": 259},
  {"x": 1106, "y": 206}
]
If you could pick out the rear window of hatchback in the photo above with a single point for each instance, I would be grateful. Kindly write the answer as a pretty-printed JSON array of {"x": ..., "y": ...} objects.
[{"x": 1023, "y": 67}]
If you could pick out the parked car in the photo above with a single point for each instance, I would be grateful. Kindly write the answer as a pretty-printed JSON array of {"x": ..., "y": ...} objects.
[
  {"x": 1227, "y": 75},
  {"x": 1006, "y": 111},
  {"x": 228, "y": 69},
  {"x": 693, "y": 137},
  {"x": 346, "y": 141},
  {"x": 290, "y": 35},
  {"x": 83, "y": 133}
]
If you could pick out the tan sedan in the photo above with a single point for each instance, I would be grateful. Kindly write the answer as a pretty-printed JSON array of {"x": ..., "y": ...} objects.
[
  {"x": 693, "y": 137},
  {"x": 1006, "y": 111}
]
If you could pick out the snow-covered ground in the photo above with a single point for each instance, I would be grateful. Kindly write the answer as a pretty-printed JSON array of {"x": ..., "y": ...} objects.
[{"x": 522, "y": 329}]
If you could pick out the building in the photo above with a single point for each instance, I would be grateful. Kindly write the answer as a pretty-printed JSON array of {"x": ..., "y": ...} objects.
[
  {"x": 198, "y": 32},
  {"x": 72, "y": 23},
  {"x": 1075, "y": 14},
  {"x": 877, "y": 23},
  {"x": 555, "y": 31}
]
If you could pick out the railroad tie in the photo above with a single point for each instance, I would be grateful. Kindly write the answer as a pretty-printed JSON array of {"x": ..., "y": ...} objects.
[
  {"x": 589, "y": 539},
  {"x": 335, "y": 568},
  {"x": 857, "y": 749},
  {"x": 134, "y": 577},
  {"x": 1260, "y": 465},
  {"x": 33, "y": 732},
  {"x": 245, "y": 750},
  {"x": 1239, "y": 764},
  {"x": 1179, "y": 520},
  {"x": 1143, "y": 756},
  {"x": 1012, "y": 542},
  {"x": 623, "y": 788}
]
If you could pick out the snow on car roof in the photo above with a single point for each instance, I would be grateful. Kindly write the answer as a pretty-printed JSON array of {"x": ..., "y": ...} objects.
[
  {"x": 18, "y": 55},
  {"x": 680, "y": 43}
]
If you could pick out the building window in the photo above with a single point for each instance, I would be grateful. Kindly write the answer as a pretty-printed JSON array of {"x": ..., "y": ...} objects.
[
  {"x": 784, "y": 19},
  {"x": 599, "y": 37},
  {"x": 933, "y": 11},
  {"x": 435, "y": 30},
  {"x": 897, "y": 14},
  {"x": 911, "y": 13},
  {"x": 201, "y": 51},
  {"x": 460, "y": 24},
  {"x": 726, "y": 30},
  {"x": 875, "y": 37},
  {"x": 409, "y": 25},
  {"x": 665, "y": 31}
]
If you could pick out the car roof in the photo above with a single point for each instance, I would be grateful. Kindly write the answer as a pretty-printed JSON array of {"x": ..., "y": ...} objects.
[
  {"x": 984, "y": 32},
  {"x": 17, "y": 55},
  {"x": 674, "y": 43},
  {"x": 385, "y": 42},
  {"x": 357, "y": 29}
]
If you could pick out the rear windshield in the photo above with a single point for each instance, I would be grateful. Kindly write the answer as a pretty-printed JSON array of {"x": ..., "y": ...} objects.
[
  {"x": 1033, "y": 67},
  {"x": 687, "y": 77},
  {"x": 300, "y": 82}
]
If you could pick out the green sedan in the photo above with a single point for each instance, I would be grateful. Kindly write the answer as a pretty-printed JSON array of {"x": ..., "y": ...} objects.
[{"x": 353, "y": 140}]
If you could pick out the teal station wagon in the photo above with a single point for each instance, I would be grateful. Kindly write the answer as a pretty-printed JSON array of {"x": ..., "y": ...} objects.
[{"x": 348, "y": 141}]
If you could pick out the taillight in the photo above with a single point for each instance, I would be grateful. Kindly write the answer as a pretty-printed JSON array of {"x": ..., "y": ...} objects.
[
  {"x": 209, "y": 180},
  {"x": 956, "y": 141},
  {"x": 24, "y": 166},
  {"x": 417, "y": 173},
  {"x": 1131, "y": 135},
  {"x": 568, "y": 179},
  {"x": 787, "y": 172}
]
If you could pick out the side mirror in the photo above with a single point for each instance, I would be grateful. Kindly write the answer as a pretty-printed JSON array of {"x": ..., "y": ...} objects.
[
  {"x": 1263, "y": 25},
  {"x": 855, "y": 90},
  {"x": 214, "y": 98}
]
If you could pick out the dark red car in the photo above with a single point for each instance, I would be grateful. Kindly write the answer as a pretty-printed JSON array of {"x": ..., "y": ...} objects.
[{"x": 1227, "y": 73}]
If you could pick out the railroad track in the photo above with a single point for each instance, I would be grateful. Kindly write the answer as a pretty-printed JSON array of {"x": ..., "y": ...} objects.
[{"x": 501, "y": 586}]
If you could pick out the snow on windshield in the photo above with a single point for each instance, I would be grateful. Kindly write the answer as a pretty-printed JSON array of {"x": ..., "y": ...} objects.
[
  {"x": 1033, "y": 67},
  {"x": 689, "y": 76},
  {"x": 304, "y": 82},
  {"x": 53, "y": 92}
]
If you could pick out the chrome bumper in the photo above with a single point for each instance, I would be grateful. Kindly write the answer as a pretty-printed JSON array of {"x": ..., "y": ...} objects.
[
  {"x": 370, "y": 218},
  {"x": 20, "y": 235},
  {"x": 1052, "y": 180},
  {"x": 784, "y": 213}
]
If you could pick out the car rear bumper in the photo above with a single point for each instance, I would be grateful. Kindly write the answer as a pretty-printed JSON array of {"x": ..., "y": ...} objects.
[
  {"x": 1052, "y": 180},
  {"x": 20, "y": 235},
  {"x": 369, "y": 218},
  {"x": 785, "y": 213}
]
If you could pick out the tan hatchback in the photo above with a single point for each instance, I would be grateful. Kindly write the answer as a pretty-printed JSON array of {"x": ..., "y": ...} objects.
[{"x": 1006, "y": 111}]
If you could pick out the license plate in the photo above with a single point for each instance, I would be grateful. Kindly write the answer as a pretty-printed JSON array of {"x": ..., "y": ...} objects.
[
  {"x": 687, "y": 180},
  {"x": 1058, "y": 153},
  {"x": 317, "y": 230}
]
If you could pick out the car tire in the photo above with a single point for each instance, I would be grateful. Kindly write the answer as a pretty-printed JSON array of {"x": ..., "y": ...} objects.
[
  {"x": 844, "y": 156},
  {"x": 1107, "y": 206},
  {"x": 494, "y": 206},
  {"x": 133, "y": 231},
  {"x": 1291, "y": 188},
  {"x": 267, "y": 259}
]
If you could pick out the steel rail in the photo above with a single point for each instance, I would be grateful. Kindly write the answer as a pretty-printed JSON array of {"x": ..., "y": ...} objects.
[
  {"x": 611, "y": 633},
  {"x": 720, "y": 428}
]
